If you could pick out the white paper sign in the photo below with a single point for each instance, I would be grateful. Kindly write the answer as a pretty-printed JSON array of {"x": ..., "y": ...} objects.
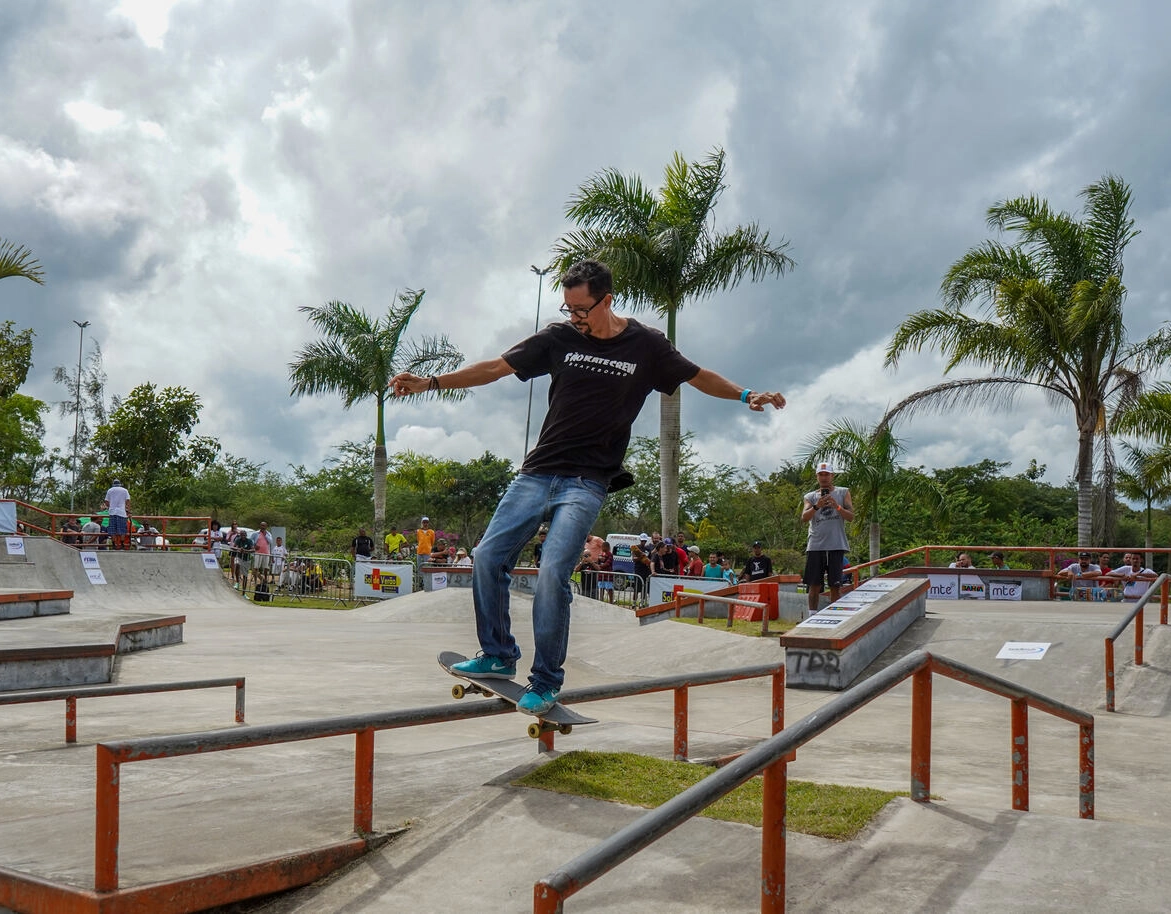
[
  {"x": 439, "y": 581},
  {"x": 210, "y": 562},
  {"x": 944, "y": 587},
  {"x": 1023, "y": 650},
  {"x": 95, "y": 576},
  {"x": 841, "y": 608},
  {"x": 861, "y": 597},
  {"x": 822, "y": 621},
  {"x": 878, "y": 584},
  {"x": 14, "y": 545},
  {"x": 89, "y": 560}
]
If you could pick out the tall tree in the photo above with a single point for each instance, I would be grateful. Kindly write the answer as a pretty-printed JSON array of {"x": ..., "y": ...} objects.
[
  {"x": 1146, "y": 478},
  {"x": 356, "y": 358},
  {"x": 17, "y": 260},
  {"x": 665, "y": 251},
  {"x": 1053, "y": 304},
  {"x": 148, "y": 443},
  {"x": 16, "y": 358},
  {"x": 867, "y": 458}
]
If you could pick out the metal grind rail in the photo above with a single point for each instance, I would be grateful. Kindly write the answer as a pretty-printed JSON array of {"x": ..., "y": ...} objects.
[
  {"x": 771, "y": 758},
  {"x": 265, "y": 877},
  {"x": 683, "y": 598},
  {"x": 70, "y": 695},
  {"x": 1161, "y": 585}
]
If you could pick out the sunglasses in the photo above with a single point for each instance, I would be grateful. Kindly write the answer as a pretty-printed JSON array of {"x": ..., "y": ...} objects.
[{"x": 580, "y": 313}]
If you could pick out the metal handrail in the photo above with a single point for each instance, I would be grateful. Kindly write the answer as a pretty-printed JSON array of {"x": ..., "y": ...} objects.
[
  {"x": 70, "y": 694},
  {"x": 771, "y": 757},
  {"x": 1162, "y": 583},
  {"x": 110, "y": 756},
  {"x": 856, "y": 569}
]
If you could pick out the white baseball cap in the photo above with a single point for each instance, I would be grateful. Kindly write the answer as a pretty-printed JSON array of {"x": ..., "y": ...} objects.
[
  {"x": 426, "y": 519},
  {"x": 824, "y": 467}
]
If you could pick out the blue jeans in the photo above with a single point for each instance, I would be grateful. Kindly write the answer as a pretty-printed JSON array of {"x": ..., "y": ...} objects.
[{"x": 570, "y": 505}]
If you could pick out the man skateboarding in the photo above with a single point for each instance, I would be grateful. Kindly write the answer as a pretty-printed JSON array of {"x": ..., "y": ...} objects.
[{"x": 603, "y": 367}]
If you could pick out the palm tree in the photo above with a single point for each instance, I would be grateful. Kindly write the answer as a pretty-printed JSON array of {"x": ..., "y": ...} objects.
[
  {"x": 1054, "y": 303},
  {"x": 664, "y": 251},
  {"x": 357, "y": 357},
  {"x": 868, "y": 458},
  {"x": 1147, "y": 479},
  {"x": 17, "y": 260}
]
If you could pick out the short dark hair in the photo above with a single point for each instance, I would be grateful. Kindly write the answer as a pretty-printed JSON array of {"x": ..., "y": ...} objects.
[{"x": 595, "y": 274}]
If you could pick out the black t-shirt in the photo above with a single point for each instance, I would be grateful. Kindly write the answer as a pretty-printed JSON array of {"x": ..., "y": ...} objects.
[
  {"x": 759, "y": 566},
  {"x": 598, "y": 388},
  {"x": 363, "y": 545}
]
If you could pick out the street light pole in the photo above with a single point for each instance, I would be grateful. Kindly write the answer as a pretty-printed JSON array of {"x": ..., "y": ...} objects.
[
  {"x": 81, "y": 325},
  {"x": 536, "y": 326}
]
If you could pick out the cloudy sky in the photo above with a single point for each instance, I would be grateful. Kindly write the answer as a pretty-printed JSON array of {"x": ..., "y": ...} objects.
[{"x": 190, "y": 172}]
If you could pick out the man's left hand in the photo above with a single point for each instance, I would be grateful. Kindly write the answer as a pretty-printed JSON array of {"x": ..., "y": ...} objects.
[{"x": 758, "y": 401}]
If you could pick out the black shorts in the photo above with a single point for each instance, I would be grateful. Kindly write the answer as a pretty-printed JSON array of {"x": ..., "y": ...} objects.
[{"x": 824, "y": 563}]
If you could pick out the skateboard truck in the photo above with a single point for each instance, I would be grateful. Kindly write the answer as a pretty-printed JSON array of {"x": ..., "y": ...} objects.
[{"x": 540, "y": 725}]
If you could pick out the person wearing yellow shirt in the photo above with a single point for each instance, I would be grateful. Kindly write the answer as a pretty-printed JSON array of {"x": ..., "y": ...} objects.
[
  {"x": 394, "y": 541},
  {"x": 425, "y": 537}
]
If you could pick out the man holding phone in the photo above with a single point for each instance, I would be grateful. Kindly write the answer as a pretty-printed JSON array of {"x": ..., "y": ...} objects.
[{"x": 826, "y": 509}]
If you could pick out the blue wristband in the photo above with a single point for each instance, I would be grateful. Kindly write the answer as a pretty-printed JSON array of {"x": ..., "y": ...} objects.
[{"x": 744, "y": 395}]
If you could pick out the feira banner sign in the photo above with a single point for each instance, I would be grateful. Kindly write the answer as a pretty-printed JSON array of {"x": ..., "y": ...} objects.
[{"x": 382, "y": 580}]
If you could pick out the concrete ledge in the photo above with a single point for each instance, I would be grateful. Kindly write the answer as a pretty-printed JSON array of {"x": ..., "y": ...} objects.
[
  {"x": 830, "y": 649},
  {"x": 24, "y": 604}
]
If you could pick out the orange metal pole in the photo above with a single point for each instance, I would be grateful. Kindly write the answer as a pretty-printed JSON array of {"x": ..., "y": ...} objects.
[
  {"x": 1109, "y": 675},
  {"x": 239, "y": 701},
  {"x": 681, "y": 724},
  {"x": 364, "y": 782},
  {"x": 546, "y": 900},
  {"x": 545, "y": 741},
  {"x": 1086, "y": 771},
  {"x": 1020, "y": 754},
  {"x": 1138, "y": 638},
  {"x": 699, "y": 613},
  {"x": 921, "y": 735},
  {"x": 778, "y": 701},
  {"x": 71, "y": 719},
  {"x": 1163, "y": 602},
  {"x": 773, "y": 838},
  {"x": 106, "y": 822}
]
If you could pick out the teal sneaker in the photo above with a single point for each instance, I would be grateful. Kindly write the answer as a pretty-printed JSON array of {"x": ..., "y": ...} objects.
[
  {"x": 484, "y": 667},
  {"x": 537, "y": 702}
]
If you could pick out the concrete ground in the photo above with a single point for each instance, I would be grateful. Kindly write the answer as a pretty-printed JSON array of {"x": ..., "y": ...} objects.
[{"x": 475, "y": 841}]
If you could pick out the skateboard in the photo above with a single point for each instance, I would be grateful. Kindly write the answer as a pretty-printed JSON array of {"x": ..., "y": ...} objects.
[{"x": 558, "y": 717}]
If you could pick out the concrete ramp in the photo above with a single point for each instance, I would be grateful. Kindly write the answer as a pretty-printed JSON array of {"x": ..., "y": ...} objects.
[{"x": 141, "y": 581}]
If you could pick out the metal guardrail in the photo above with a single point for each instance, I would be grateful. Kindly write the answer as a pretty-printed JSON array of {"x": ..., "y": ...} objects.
[
  {"x": 589, "y": 584},
  {"x": 683, "y": 598},
  {"x": 1161, "y": 584},
  {"x": 71, "y": 694},
  {"x": 771, "y": 758},
  {"x": 299, "y": 868}
]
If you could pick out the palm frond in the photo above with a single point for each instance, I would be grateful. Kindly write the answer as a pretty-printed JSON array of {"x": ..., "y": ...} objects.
[
  {"x": 17, "y": 260},
  {"x": 1108, "y": 226},
  {"x": 998, "y": 393},
  {"x": 611, "y": 202},
  {"x": 725, "y": 259}
]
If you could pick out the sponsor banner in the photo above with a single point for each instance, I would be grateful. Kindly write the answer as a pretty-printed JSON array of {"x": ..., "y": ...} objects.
[
  {"x": 841, "y": 608},
  {"x": 662, "y": 587},
  {"x": 1023, "y": 650},
  {"x": 1005, "y": 590},
  {"x": 8, "y": 517},
  {"x": 944, "y": 587},
  {"x": 439, "y": 581},
  {"x": 14, "y": 545},
  {"x": 209, "y": 561},
  {"x": 95, "y": 576},
  {"x": 971, "y": 587},
  {"x": 89, "y": 560},
  {"x": 384, "y": 580}
]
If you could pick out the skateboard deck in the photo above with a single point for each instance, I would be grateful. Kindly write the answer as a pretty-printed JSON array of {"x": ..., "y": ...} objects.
[{"x": 557, "y": 717}]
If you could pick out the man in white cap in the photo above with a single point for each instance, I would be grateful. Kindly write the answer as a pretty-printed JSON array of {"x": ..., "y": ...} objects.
[
  {"x": 424, "y": 539},
  {"x": 826, "y": 509}
]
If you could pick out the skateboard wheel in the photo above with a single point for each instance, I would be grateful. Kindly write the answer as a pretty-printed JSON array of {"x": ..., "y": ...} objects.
[
  {"x": 566, "y": 729},
  {"x": 458, "y": 691},
  {"x": 535, "y": 730}
]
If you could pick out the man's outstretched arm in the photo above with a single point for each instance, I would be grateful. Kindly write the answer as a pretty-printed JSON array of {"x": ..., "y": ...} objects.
[
  {"x": 474, "y": 375},
  {"x": 715, "y": 385}
]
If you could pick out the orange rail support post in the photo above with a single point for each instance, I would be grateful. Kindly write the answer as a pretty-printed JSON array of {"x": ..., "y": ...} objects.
[
  {"x": 1109, "y": 674},
  {"x": 364, "y": 782},
  {"x": 921, "y": 735},
  {"x": 775, "y": 790},
  {"x": 681, "y": 724},
  {"x": 1138, "y": 638},
  {"x": 1086, "y": 771},
  {"x": 71, "y": 719},
  {"x": 106, "y": 822},
  {"x": 1020, "y": 754},
  {"x": 1163, "y": 602}
]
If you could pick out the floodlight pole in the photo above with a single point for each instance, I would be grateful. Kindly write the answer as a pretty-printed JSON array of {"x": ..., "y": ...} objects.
[
  {"x": 81, "y": 325},
  {"x": 536, "y": 326}
]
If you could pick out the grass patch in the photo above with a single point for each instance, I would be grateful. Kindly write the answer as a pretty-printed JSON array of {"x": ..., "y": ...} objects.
[
  {"x": 825, "y": 810},
  {"x": 739, "y": 626}
]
